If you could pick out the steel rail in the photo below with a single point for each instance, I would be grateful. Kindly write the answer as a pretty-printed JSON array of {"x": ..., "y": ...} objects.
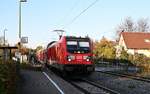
[
  {"x": 110, "y": 91},
  {"x": 79, "y": 88},
  {"x": 127, "y": 76}
]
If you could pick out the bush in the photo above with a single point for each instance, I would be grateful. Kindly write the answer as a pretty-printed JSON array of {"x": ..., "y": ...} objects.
[{"x": 8, "y": 77}]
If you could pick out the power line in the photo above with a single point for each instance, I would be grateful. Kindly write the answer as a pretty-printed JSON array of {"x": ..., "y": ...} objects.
[
  {"x": 69, "y": 12},
  {"x": 59, "y": 25},
  {"x": 76, "y": 17}
]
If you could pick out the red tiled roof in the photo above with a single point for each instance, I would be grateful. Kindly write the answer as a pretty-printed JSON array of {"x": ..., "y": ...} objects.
[{"x": 136, "y": 40}]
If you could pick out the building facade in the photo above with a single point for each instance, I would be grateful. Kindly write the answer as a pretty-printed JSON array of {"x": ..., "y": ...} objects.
[{"x": 134, "y": 42}]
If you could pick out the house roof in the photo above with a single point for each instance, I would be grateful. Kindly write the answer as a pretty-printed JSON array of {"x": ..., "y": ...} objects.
[{"x": 136, "y": 40}]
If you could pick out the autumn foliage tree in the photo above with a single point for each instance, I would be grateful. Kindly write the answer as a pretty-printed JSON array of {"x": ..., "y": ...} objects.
[
  {"x": 38, "y": 48},
  {"x": 124, "y": 55},
  {"x": 24, "y": 50},
  {"x": 104, "y": 49}
]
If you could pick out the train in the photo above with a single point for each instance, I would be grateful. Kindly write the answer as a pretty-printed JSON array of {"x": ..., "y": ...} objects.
[
  {"x": 69, "y": 54},
  {"x": 40, "y": 56}
]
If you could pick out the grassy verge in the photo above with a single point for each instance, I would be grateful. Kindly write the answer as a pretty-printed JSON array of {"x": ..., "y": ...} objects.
[{"x": 8, "y": 77}]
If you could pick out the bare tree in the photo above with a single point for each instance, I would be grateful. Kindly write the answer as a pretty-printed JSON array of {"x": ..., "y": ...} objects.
[
  {"x": 126, "y": 26},
  {"x": 142, "y": 25}
]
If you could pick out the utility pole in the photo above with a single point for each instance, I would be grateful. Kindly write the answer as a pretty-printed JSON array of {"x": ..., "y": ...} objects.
[
  {"x": 4, "y": 51},
  {"x": 20, "y": 36},
  {"x": 4, "y": 36}
]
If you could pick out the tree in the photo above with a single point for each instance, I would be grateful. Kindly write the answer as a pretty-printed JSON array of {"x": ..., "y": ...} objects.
[
  {"x": 104, "y": 49},
  {"x": 138, "y": 59},
  {"x": 38, "y": 48},
  {"x": 126, "y": 26},
  {"x": 22, "y": 48},
  {"x": 142, "y": 25},
  {"x": 124, "y": 55}
]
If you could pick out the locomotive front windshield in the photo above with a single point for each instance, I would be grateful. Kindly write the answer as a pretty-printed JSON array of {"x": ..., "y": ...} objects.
[{"x": 78, "y": 46}]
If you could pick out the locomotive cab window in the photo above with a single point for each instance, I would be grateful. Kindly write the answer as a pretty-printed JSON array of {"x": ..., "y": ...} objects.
[
  {"x": 71, "y": 46},
  {"x": 84, "y": 46},
  {"x": 71, "y": 42},
  {"x": 78, "y": 46}
]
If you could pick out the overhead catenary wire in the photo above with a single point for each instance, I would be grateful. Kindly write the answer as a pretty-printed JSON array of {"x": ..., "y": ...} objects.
[
  {"x": 69, "y": 12},
  {"x": 76, "y": 17}
]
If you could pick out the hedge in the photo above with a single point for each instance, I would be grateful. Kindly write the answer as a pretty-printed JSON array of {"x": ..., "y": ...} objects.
[{"x": 8, "y": 77}]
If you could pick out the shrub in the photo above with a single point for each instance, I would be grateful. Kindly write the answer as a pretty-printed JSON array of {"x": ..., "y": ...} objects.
[{"x": 8, "y": 78}]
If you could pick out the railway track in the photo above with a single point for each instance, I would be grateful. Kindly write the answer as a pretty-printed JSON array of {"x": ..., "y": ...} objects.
[
  {"x": 90, "y": 87},
  {"x": 139, "y": 78},
  {"x": 86, "y": 86}
]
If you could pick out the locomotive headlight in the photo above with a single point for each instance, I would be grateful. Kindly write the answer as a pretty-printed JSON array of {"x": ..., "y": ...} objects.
[
  {"x": 70, "y": 57},
  {"x": 87, "y": 58}
]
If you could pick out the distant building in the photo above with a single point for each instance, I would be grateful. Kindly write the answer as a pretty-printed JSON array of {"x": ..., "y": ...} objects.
[{"x": 134, "y": 42}]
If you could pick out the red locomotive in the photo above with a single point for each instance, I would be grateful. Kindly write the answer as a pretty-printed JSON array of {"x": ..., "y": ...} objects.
[{"x": 71, "y": 54}]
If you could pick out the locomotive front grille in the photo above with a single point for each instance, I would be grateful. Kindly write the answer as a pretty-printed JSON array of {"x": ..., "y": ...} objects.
[{"x": 79, "y": 57}]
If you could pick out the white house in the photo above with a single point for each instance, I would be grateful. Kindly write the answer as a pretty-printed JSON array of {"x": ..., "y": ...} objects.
[{"x": 134, "y": 42}]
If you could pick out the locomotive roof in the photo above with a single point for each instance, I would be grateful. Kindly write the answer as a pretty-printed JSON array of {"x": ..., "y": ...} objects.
[
  {"x": 51, "y": 43},
  {"x": 77, "y": 38},
  {"x": 72, "y": 38}
]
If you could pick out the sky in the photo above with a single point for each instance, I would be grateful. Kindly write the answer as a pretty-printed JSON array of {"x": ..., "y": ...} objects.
[{"x": 41, "y": 17}]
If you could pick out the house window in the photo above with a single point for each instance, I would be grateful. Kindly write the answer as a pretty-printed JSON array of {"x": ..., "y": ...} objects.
[{"x": 147, "y": 40}]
